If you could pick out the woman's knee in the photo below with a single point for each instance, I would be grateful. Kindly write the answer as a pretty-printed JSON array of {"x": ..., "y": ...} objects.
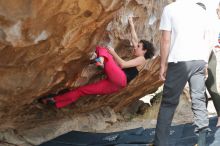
[
  {"x": 100, "y": 49},
  {"x": 103, "y": 52}
]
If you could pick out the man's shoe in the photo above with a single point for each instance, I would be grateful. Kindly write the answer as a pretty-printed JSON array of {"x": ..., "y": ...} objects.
[{"x": 202, "y": 138}]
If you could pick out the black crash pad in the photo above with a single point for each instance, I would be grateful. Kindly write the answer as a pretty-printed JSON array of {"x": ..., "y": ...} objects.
[{"x": 180, "y": 135}]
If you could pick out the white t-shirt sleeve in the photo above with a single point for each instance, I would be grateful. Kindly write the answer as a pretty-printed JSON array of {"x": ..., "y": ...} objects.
[{"x": 165, "y": 22}]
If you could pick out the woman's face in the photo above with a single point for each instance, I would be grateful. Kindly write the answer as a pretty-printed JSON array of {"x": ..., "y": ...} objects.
[{"x": 138, "y": 51}]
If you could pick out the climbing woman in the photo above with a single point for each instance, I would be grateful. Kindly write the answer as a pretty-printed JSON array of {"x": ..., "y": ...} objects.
[{"x": 118, "y": 71}]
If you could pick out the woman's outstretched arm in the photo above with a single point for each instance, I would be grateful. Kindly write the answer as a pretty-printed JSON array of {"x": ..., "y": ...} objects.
[
  {"x": 134, "y": 37},
  {"x": 126, "y": 64}
]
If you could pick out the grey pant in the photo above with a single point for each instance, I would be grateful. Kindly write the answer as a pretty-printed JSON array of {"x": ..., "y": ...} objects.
[
  {"x": 178, "y": 74},
  {"x": 211, "y": 82}
]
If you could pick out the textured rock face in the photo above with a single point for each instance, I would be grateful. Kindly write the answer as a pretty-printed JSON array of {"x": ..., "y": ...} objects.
[{"x": 45, "y": 46}]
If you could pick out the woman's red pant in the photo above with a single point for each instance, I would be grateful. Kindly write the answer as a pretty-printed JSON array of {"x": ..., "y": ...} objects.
[{"x": 115, "y": 80}]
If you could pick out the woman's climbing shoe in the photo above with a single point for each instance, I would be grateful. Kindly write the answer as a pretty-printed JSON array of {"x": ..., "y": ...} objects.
[
  {"x": 99, "y": 63},
  {"x": 47, "y": 99}
]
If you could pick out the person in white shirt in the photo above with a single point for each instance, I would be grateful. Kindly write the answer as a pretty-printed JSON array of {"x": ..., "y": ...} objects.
[{"x": 184, "y": 56}]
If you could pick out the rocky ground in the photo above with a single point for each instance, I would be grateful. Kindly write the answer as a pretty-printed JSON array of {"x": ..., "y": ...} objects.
[
  {"x": 148, "y": 120},
  {"x": 139, "y": 114}
]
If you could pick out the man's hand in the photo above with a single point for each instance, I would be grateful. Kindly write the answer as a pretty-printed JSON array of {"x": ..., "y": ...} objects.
[
  {"x": 164, "y": 53},
  {"x": 163, "y": 71},
  {"x": 206, "y": 72}
]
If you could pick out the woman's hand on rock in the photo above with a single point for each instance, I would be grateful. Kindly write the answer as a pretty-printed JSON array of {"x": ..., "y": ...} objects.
[
  {"x": 110, "y": 49},
  {"x": 130, "y": 20}
]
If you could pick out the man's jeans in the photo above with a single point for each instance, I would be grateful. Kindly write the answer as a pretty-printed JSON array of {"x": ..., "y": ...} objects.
[{"x": 178, "y": 74}]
